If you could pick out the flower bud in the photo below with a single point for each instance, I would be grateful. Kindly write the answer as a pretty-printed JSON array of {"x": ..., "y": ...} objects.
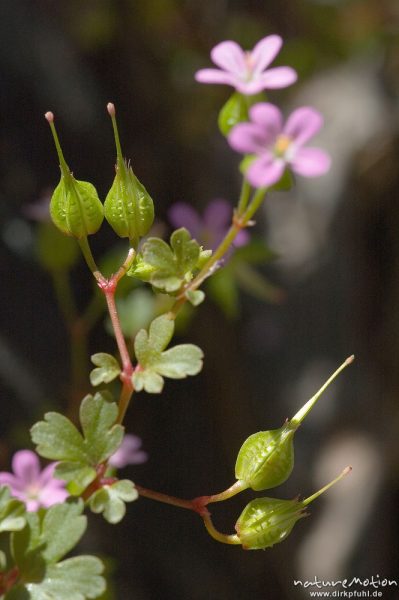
[
  {"x": 75, "y": 207},
  {"x": 129, "y": 208},
  {"x": 266, "y": 458},
  {"x": 268, "y": 521}
]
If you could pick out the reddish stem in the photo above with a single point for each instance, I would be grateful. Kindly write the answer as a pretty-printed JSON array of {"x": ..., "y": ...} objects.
[
  {"x": 195, "y": 505},
  {"x": 7, "y": 580}
]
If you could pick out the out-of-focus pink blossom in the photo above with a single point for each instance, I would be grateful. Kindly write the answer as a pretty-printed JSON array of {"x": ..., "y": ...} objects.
[
  {"x": 248, "y": 72},
  {"x": 35, "y": 487},
  {"x": 129, "y": 453},
  {"x": 210, "y": 229},
  {"x": 276, "y": 145}
]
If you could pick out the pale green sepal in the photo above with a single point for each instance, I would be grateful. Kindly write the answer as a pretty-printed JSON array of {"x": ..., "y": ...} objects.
[
  {"x": 107, "y": 368},
  {"x": 234, "y": 111},
  {"x": 110, "y": 500}
]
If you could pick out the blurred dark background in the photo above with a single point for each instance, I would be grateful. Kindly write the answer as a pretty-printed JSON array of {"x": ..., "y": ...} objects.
[{"x": 337, "y": 246}]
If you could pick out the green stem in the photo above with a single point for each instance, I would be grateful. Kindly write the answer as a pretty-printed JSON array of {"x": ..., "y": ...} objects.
[
  {"x": 244, "y": 197},
  {"x": 124, "y": 399},
  {"x": 306, "y": 408},
  {"x": 255, "y": 203},
  {"x": 236, "y": 488},
  {"x": 310, "y": 499},
  {"x": 88, "y": 256},
  {"x": 220, "y": 537}
]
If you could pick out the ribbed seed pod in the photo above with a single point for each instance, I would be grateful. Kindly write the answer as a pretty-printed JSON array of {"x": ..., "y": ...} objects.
[
  {"x": 268, "y": 521},
  {"x": 75, "y": 207},
  {"x": 266, "y": 458},
  {"x": 129, "y": 208}
]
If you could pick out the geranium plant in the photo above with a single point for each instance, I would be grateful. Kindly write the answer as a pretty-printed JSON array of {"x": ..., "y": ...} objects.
[{"x": 42, "y": 512}]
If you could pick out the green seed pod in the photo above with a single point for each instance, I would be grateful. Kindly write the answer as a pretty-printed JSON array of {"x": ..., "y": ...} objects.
[
  {"x": 75, "y": 207},
  {"x": 129, "y": 208},
  {"x": 266, "y": 458},
  {"x": 268, "y": 521}
]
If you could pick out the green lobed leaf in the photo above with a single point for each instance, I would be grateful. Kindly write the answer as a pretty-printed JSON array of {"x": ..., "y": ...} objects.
[
  {"x": 102, "y": 436},
  {"x": 172, "y": 265},
  {"x": 149, "y": 381},
  {"x": 77, "y": 475},
  {"x": 77, "y": 578},
  {"x": 12, "y": 511},
  {"x": 48, "y": 536},
  {"x": 110, "y": 500},
  {"x": 180, "y": 361},
  {"x": 107, "y": 368},
  {"x": 58, "y": 439},
  {"x": 177, "y": 362}
]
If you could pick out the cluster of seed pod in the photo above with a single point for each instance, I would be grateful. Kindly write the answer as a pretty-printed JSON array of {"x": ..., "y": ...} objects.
[{"x": 266, "y": 460}]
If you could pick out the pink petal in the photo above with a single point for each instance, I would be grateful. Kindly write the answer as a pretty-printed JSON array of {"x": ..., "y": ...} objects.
[
  {"x": 52, "y": 494},
  {"x": 217, "y": 214},
  {"x": 265, "y": 171},
  {"x": 278, "y": 77},
  {"x": 230, "y": 57},
  {"x": 15, "y": 484},
  {"x": 31, "y": 504},
  {"x": 182, "y": 214},
  {"x": 47, "y": 475},
  {"x": 249, "y": 88},
  {"x": 270, "y": 117},
  {"x": 311, "y": 162},
  {"x": 248, "y": 138},
  {"x": 265, "y": 52},
  {"x": 215, "y": 76},
  {"x": 26, "y": 466},
  {"x": 303, "y": 124}
]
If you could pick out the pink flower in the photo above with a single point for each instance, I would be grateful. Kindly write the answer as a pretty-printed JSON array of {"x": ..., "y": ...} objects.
[
  {"x": 128, "y": 453},
  {"x": 209, "y": 229},
  {"x": 28, "y": 483},
  {"x": 276, "y": 145},
  {"x": 247, "y": 71}
]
